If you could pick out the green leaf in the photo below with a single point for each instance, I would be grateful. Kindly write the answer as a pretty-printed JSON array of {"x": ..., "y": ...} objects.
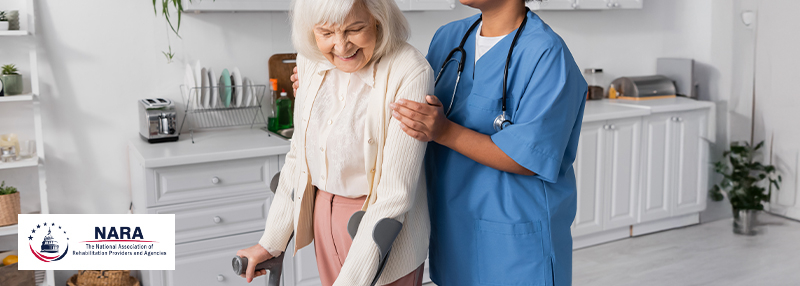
[{"x": 759, "y": 145}]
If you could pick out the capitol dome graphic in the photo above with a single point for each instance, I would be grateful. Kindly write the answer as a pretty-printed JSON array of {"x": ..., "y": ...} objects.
[
  {"x": 49, "y": 244},
  {"x": 55, "y": 243}
]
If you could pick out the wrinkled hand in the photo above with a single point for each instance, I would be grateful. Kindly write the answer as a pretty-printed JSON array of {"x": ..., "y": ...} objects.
[
  {"x": 424, "y": 122},
  {"x": 295, "y": 80},
  {"x": 255, "y": 255}
]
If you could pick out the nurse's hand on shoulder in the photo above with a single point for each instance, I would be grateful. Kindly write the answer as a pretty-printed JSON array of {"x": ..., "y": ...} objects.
[
  {"x": 255, "y": 255},
  {"x": 425, "y": 122},
  {"x": 295, "y": 80}
]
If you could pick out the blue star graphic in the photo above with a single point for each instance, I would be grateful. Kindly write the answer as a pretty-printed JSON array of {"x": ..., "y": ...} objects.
[
  {"x": 30, "y": 237},
  {"x": 52, "y": 224},
  {"x": 37, "y": 226},
  {"x": 33, "y": 231},
  {"x": 59, "y": 227}
]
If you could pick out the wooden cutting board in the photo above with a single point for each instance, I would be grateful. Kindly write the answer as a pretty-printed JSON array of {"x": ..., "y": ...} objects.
[{"x": 280, "y": 67}]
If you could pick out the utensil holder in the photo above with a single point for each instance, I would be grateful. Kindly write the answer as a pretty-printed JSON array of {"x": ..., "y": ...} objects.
[{"x": 215, "y": 114}]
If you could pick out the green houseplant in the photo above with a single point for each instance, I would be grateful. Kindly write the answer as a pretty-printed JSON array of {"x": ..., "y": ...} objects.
[
  {"x": 746, "y": 183},
  {"x": 165, "y": 12},
  {"x": 9, "y": 204},
  {"x": 12, "y": 80}
]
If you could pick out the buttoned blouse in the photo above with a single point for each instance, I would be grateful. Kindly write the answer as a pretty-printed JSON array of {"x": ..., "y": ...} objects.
[{"x": 336, "y": 133}]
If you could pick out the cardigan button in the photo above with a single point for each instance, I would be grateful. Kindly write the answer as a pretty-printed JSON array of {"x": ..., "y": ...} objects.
[
  {"x": 373, "y": 170},
  {"x": 370, "y": 141}
]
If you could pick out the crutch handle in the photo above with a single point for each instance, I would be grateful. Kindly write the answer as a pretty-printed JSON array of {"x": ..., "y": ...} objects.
[{"x": 273, "y": 265}]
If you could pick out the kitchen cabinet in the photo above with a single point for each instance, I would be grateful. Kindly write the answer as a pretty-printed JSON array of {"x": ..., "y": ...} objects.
[
  {"x": 285, "y": 5},
  {"x": 585, "y": 4},
  {"x": 676, "y": 165},
  {"x": 640, "y": 167},
  {"x": 219, "y": 193},
  {"x": 606, "y": 169}
]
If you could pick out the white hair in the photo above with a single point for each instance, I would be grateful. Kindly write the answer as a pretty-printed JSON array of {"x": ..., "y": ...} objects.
[{"x": 305, "y": 14}]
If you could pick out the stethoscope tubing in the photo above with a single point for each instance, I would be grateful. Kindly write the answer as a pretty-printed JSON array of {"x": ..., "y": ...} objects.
[{"x": 501, "y": 121}]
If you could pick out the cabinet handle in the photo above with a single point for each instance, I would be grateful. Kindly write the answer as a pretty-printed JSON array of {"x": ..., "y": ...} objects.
[
  {"x": 574, "y": 5},
  {"x": 215, "y": 180},
  {"x": 609, "y": 5},
  {"x": 217, "y": 219},
  {"x": 616, "y": 5},
  {"x": 680, "y": 119},
  {"x": 605, "y": 127},
  {"x": 612, "y": 127},
  {"x": 220, "y": 278}
]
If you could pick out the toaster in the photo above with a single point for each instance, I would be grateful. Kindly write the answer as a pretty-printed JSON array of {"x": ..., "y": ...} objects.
[{"x": 157, "y": 120}]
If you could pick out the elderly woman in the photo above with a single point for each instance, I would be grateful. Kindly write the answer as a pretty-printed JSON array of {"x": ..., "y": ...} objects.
[{"x": 348, "y": 153}]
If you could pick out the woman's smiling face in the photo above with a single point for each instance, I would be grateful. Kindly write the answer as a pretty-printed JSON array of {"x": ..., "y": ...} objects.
[{"x": 350, "y": 45}]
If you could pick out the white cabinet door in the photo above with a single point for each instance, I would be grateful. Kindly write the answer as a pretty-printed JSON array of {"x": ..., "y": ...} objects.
[
  {"x": 625, "y": 4},
  {"x": 553, "y": 5},
  {"x": 427, "y": 5},
  {"x": 624, "y": 139},
  {"x": 593, "y": 4},
  {"x": 692, "y": 162},
  {"x": 657, "y": 160},
  {"x": 588, "y": 167}
]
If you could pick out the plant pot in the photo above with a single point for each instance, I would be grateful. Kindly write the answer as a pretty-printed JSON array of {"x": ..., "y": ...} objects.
[
  {"x": 744, "y": 221},
  {"x": 3, "y": 25},
  {"x": 12, "y": 84},
  {"x": 9, "y": 209}
]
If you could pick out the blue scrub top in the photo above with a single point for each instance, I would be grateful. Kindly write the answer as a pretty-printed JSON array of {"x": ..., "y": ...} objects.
[{"x": 491, "y": 227}]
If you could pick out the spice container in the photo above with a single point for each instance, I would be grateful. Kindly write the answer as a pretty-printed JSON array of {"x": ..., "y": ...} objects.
[{"x": 594, "y": 78}]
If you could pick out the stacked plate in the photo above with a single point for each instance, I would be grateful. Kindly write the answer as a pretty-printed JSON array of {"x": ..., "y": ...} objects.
[{"x": 206, "y": 91}]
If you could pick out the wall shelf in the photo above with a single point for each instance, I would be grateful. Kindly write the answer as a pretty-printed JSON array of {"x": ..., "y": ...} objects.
[
  {"x": 32, "y": 162},
  {"x": 14, "y": 33},
  {"x": 8, "y": 230},
  {"x": 17, "y": 98}
]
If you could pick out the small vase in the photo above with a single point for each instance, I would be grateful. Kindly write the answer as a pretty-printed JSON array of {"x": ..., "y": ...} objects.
[
  {"x": 744, "y": 221},
  {"x": 12, "y": 84},
  {"x": 3, "y": 25}
]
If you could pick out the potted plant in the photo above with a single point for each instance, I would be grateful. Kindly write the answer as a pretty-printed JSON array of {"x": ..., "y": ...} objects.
[
  {"x": 3, "y": 21},
  {"x": 12, "y": 81},
  {"x": 746, "y": 182},
  {"x": 9, "y": 205}
]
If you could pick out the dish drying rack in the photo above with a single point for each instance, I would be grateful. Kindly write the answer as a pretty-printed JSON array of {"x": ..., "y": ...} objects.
[{"x": 211, "y": 113}]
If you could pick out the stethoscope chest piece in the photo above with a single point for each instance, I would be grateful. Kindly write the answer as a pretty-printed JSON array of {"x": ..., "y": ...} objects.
[{"x": 501, "y": 122}]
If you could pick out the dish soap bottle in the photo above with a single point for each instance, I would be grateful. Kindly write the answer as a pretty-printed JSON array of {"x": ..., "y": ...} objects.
[
  {"x": 284, "y": 104},
  {"x": 272, "y": 114}
]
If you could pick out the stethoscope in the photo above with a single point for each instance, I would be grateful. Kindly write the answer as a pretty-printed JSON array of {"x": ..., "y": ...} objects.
[{"x": 501, "y": 121}]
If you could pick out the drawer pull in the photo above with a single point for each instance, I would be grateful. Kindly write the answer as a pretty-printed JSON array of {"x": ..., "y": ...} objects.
[
  {"x": 220, "y": 278},
  {"x": 217, "y": 219},
  {"x": 215, "y": 180}
]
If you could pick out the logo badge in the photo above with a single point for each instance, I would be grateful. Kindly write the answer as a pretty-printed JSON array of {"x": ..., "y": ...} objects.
[{"x": 48, "y": 242}]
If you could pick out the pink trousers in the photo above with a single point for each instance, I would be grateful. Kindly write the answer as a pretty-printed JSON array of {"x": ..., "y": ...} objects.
[{"x": 332, "y": 242}]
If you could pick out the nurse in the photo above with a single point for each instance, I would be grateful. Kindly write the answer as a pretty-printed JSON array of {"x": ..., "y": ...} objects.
[{"x": 501, "y": 200}]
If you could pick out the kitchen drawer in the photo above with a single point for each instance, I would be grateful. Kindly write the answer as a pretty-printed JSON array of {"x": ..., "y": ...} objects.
[
  {"x": 206, "y": 262},
  {"x": 223, "y": 217},
  {"x": 207, "y": 181}
]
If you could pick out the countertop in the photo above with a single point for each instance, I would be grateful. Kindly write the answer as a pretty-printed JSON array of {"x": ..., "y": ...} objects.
[
  {"x": 209, "y": 146},
  {"x": 607, "y": 109},
  {"x": 231, "y": 144}
]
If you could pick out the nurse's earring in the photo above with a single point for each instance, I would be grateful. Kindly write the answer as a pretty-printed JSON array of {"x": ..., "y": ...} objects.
[{"x": 501, "y": 122}]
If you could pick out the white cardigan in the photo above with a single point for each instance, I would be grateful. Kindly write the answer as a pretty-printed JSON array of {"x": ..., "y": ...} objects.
[{"x": 393, "y": 166}]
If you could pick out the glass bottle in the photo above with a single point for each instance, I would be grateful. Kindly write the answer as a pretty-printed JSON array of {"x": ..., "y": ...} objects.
[
  {"x": 272, "y": 124},
  {"x": 284, "y": 104},
  {"x": 594, "y": 78}
]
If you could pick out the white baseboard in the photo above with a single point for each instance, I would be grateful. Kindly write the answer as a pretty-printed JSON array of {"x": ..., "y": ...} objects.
[
  {"x": 665, "y": 224},
  {"x": 600, "y": 237}
]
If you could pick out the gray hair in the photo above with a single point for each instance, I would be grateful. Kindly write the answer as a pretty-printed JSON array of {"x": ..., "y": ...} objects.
[{"x": 392, "y": 25}]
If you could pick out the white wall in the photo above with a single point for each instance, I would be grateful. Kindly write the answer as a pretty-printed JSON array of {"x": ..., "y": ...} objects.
[{"x": 100, "y": 56}]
